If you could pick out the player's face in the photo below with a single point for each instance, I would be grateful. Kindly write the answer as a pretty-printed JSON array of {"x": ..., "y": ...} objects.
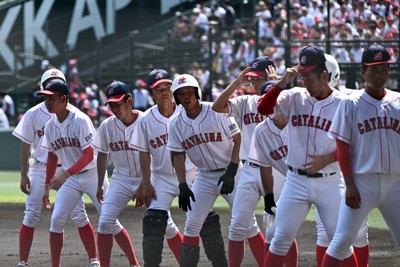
[
  {"x": 376, "y": 77},
  {"x": 187, "y": 97},
  {"x": 121, "y": 109},
  {"x": 54, "y": 103},
  {"x": 315, "y": 85},
  {"x": 162, "y": 93},
  {"x": 257, "y": 82}
]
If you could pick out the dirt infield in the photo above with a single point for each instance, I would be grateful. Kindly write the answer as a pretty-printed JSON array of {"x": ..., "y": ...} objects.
[{"x": 382, "y": 253}]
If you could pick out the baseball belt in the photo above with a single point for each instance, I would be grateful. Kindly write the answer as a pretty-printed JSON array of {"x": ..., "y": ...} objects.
[
  {"x": 310, "y": 175},
  {"x": 251, "y": 164}
]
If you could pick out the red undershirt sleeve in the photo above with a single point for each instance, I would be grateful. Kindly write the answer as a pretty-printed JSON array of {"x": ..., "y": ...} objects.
[
  {"x": 344, "y": 157},
  {"x": 86, "y": 158},
  {"x": 268, "y": 101},
  {"x": 51, "y": 166}
]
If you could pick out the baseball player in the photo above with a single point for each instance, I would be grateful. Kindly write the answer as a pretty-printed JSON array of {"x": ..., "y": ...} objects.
[
  {"x": 30, "y": 131},
  {"x": 112, "y": 139},
  {"x": 68, "y": 136},
  {"x": 361, "y": 244},
  {"x": 207, "y": 138},
  {"x": 372, "y": 179},
  {"x": 149, "y": 138},
  {"x": 160, "y": 185},
  {"x": 309, "y": 111},
  {"x": 244, "y": 110}
]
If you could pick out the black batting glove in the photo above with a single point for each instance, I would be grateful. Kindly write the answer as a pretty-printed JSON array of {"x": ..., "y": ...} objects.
[
  {"x": 185, "y": 194},
  {"x": 269, "y": 202},
  {"x": 228, "y": 179}
]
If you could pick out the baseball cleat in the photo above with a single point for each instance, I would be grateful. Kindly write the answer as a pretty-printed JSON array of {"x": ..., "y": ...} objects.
[
  {"x": 22, "y": 264},
  {"x": 94, "y": 262}
]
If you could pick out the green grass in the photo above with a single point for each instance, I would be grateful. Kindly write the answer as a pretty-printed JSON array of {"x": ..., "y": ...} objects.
[{"x": 10, "y": 193}]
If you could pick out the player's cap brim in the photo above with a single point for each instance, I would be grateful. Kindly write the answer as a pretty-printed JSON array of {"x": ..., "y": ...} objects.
[
  {"x": 160, "y": 81},
  {"x": 254, "y": 73},
  {"x": 115, "y": 98},
  {"x": 46, "y": 92},
  {"x": 378, "y": 63},
  {"x": 305, "y": 69}
]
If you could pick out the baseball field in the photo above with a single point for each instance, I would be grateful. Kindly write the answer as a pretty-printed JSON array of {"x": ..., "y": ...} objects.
[{"x": 382, "y": 250}]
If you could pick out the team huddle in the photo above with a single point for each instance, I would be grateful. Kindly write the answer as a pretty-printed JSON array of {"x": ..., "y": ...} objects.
[{"x": 293, "y": 147}]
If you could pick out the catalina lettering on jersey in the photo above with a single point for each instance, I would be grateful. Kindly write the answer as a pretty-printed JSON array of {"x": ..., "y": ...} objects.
[
  {"x": 65, "y": 142},
  {"x": 307, "y": 120},
  {"x": 159, "y": 141},
  {"x": 120, "y": 145},
  {"x": 377, "y": 123},
  {"x": 198, "y": 139},
  {"x": 253, "y": 118},
  {"x": 279, "y": 153}
]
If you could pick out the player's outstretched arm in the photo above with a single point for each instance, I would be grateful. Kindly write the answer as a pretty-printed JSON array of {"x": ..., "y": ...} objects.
[
  {"x": 185, "y": 194},
  {"x": 353, "y": 198},
  {"x": 25, "y": 183},
  {"x": 148, "y": 190},
  {"x": 228, "y": 178},
  {"x": 221, "y": 103},
  {"x": 268, "y": 100},
  {"x": 102, "y": 159}
]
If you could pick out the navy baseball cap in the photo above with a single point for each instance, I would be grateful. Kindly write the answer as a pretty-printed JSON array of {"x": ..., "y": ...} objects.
[
  {"x": 267, "y": 86},
  {"x": 375, "y": 55},
  {"x": 116, "y": 91},
  {"x": 310, "y": 57},
  {"x": 158, "y": 76},
  {"x": 56, "y": 86},
  {"x": 259, "y": 65}
]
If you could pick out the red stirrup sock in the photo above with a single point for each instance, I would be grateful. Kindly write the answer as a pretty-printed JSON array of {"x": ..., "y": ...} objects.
[
  {"x": 350, "y": 261},
  {"x": 266, "y": 250},
  {"x": 257, "y": 246},
  {"x": 362, "y": 255},
  {"x": 330, "y": 261},
  {"x": 319, "y": 254},
  {"x": 86, "y": 234},
  {"x": 274, "y": 260},
  {"x": 56, "y": 244},
  {"x": 104, "y": 244},
  {"x": 235, "y": 253},
  {"x": 191, "y": 240},
  {"x": 175, "y": 245},
  {"x": 124, "y": 242},
  {"x": 291, "y": 259},
  {"x": 25, "y": 242}
]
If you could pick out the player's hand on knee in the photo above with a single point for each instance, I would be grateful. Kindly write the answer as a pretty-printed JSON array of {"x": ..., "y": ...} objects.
[
  {"x": 138, "y": 197},
  {"x": 148, "y": 193},
  {"x": 46, "y": 197},
  {"x": 185, "y": 194},
  {"x": 25, "y": 184},
  {"x": 100, "y": 194},
  {"x": 228, "y": 179},
  {"x": 353, "y": 198},
  {"x": 269, "y": 204}
]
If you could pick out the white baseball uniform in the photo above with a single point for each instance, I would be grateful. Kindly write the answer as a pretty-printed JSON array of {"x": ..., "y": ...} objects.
[
  {"x": 68, "y": 140},
  {"x": 206, "y": 140},
  {"x": 268, "y": 148},
  {"x": 113, "y": 138},
  {"x": 243, "y": 221},
  {"x": 368, "y": 124},
  {"x": 30, "y": 130},
  {"x": 151, "y": 136},
  {"x": 309, "y": 121}
]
